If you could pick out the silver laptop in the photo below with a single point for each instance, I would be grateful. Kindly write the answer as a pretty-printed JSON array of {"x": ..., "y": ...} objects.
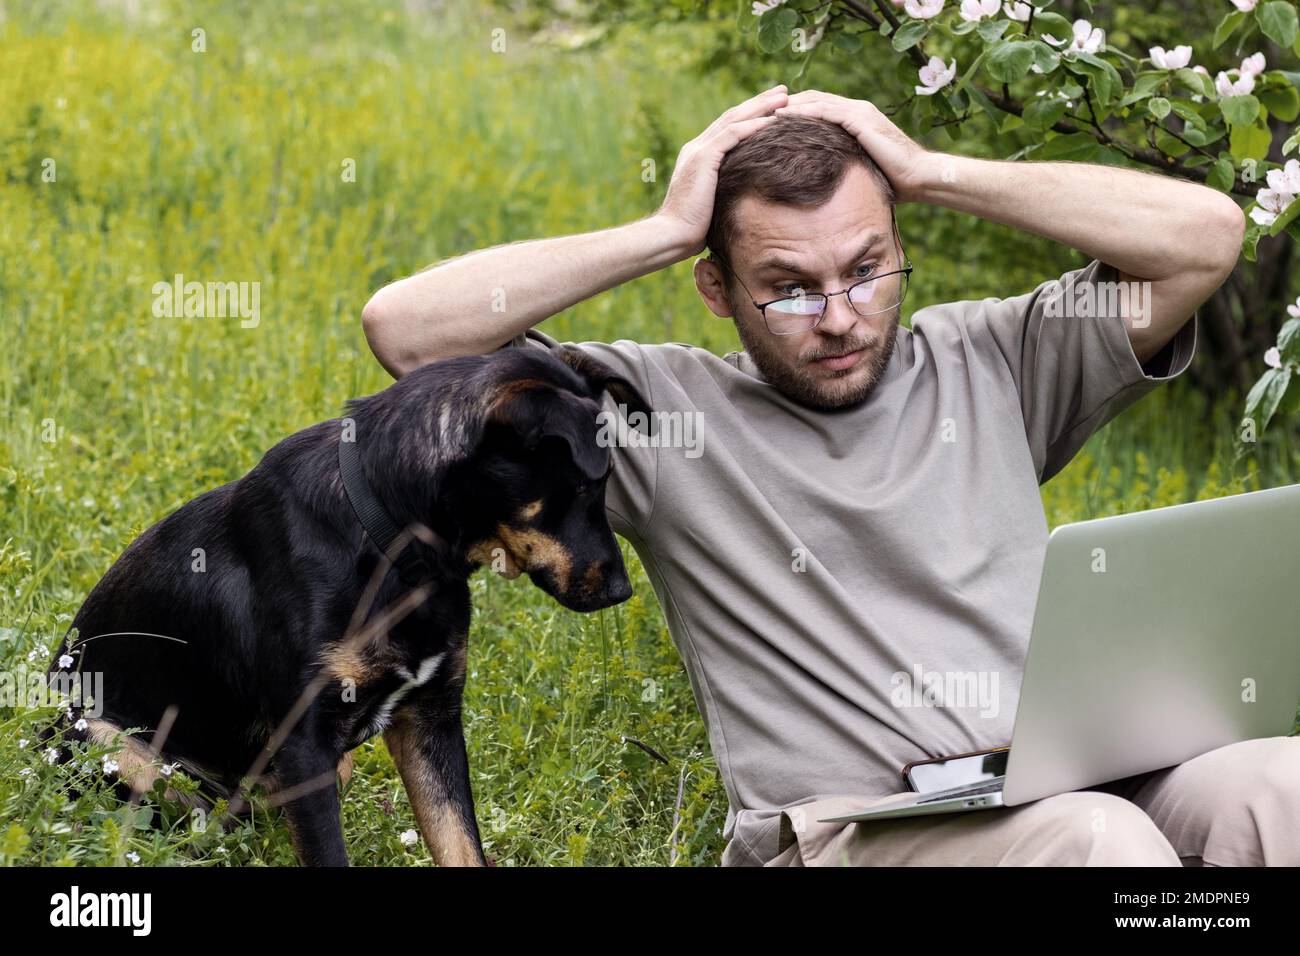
[{"x": 1189, "y": 639}]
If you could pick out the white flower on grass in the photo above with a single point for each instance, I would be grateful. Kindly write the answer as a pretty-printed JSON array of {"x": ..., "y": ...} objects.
[
  {"x": 81, "y": 724},
  {"x": 1294, "y": 310},
  {"x": 51, "y": 755},
  {"x": 22, "y": 743},
  {"x": 110, "y": 765},
  {"x": 1253, "y": 65},
  {"x": 1174, "y": 59},
  {"x": 1087, "y": 39},
  {"x": 1245, "y": 6},
  {"x": 409, "y": 838},
  {"x": 1227, "y": 86},
  {"x": 31, "y": 657},
  {"x": 88, "y": 767},
  {"x": 923, "y": 9},
  {"x": 973, "y": 11},
  {"x": 25, "y": 772},
  {"x": 66, "y": 661},
  {"x": 762, "y": 6},
  {"x": 935, "y": 76},
  {"x": 1273, "y": 358},
  {"x": 133, "y": 857},
  {"x": 167, "y": 769},
  {"x": 1018, "y": 10}
]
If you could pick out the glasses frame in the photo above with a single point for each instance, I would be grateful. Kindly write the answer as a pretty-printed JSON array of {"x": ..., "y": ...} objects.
[{"x": 827, "y": 296}]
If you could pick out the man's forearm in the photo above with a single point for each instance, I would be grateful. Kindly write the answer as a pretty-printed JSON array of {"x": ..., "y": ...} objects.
[
  {"x": 1145, "y": 224},
  {"x": 1179, "y": 239},
  {"x": 474, "y": 303}
]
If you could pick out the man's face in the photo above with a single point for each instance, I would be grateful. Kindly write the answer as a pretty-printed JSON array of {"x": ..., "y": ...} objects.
[{"x": 780, "y": 250}]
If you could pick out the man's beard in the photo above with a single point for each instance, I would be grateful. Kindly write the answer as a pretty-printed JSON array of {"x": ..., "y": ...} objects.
[{"x": 800, "y": 385}]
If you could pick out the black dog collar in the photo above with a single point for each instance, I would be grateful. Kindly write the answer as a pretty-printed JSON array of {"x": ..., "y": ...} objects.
[{"x": 374, "y": 518}]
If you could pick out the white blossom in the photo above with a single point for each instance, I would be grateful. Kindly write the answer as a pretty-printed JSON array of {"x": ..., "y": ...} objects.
[
  {"x": 409, "y": 838},
  {"x": 934, "y": 76},
  {"x": 973, "y": 11},
  {"x": 1273, "y": 358},
  {"x": 923, "y": 9},
  {"x": 1174, "y": 59}
]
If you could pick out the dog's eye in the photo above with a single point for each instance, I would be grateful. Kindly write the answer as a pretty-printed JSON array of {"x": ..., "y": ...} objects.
[{"x": 581, "y": 490}]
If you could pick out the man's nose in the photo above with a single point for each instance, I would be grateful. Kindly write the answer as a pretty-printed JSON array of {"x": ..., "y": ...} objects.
[{"x": 839, "y": 317}]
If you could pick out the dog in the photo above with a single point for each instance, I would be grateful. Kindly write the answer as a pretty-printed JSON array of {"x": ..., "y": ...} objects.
[{"x": 268, "y": 627}]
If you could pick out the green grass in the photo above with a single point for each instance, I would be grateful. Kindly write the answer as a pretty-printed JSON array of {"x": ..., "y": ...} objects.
[{"x": 226, "y": 166}]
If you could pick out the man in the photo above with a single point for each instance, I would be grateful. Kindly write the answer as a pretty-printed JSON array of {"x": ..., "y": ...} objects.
[{"x": 865, "y": 502}]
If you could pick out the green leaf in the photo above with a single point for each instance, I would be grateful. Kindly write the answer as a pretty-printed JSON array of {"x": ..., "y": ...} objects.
[
  {"x": 1223, "y": 176},
  {"x": 1250, "y": 142},
  {"x": 1169, "y": 144},
  {"x": 909, "y": 35},
  {"x": 1266, "y": 395},
  {"x": 848, "y": 42},
  {"x": 1080, "y": 147},
  {"x": 1189, "y": 113},
  {"x": 1226, "y": 27},
  {"x": 1145, "y": 85},
  {"x": 1043, "y": 112},
  {"x": 984, "y": 103},
  {"x": 1283, "y": 103},
  {"x": 1196, "y": 82},
  {"x": 1045, "y": 58},
  {"x": 1009, "y": 60},
  {"x": 1250, "y": 240},
  {"x": 991, "y": 30},
  {"x": 776, "y": 28},
  {"x": 1158, "y": 107},
  {"x": 1053, "y": 24},
  {"x": 1199, "y": 136},
  {"x": 1277, "y": 20},
  {"x": 1240, "y": 110},
  {"x": 1288, "y": 341},
  {"x": 1106, "y": 79}
]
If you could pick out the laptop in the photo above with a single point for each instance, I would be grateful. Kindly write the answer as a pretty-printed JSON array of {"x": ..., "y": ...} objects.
[{"x": 1157, "y": 636}]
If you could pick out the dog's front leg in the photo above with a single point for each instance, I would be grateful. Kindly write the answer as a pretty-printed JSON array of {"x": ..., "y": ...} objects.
[
  {"x": 428, "y": 747},
  {"x": 308, "y": 783}
]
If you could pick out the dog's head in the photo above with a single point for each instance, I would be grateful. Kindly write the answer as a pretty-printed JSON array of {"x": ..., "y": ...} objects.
[{"x": 531, "y": 489}]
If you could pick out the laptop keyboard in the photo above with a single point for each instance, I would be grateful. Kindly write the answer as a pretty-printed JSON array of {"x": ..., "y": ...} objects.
[{"x": 992, "y": 786}]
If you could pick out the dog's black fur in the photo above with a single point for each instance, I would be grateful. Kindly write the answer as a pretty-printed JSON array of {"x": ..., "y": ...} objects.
[{"x": 496, "y": 455}]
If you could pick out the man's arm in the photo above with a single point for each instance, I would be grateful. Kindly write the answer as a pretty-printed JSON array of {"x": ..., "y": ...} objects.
[
  {"x": 1181, "y": 237},
  {"x": 475, "y": 303}
]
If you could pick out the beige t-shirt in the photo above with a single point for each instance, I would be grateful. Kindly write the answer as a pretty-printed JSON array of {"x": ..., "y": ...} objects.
[{"x": 853, "y": 590}]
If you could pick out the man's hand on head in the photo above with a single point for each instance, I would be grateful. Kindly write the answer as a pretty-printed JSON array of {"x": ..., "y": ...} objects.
[
  {"x": 903, "y": 161},
  {"x": 688, "y": 206}
]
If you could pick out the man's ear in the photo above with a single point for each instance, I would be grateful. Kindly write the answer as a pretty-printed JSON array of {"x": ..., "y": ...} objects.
[
  {"x": 602, "y": 378},
  {"x": 711, "y": 283}
]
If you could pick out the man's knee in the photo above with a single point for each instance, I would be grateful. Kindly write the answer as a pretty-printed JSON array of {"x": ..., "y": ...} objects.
[{"x": 1088, "y": 828}]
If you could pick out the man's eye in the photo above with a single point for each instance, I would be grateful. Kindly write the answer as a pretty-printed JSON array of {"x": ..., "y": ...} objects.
[
  {"x": 864, "y": 270},
  {"x": 791, "y": 289}
]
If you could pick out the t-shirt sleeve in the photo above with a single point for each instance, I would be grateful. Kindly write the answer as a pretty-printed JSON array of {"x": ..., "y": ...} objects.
[
  {"x": 1067, "y": 346},
  {"x": 629, "y": 493}
]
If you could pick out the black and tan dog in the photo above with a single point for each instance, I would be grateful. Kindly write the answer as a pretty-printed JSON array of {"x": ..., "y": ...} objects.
[{"x": 237, "y": 615}]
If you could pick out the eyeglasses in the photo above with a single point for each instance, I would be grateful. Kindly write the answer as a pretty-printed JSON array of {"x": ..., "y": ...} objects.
[{"x": 804, "y": 311}]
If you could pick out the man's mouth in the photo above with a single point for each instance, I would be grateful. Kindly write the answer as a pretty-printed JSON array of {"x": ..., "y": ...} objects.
[{"x": 841, "y": 362}]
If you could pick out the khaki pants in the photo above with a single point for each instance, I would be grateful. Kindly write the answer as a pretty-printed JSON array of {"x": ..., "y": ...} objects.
[{"x": 1235, "y": 806}]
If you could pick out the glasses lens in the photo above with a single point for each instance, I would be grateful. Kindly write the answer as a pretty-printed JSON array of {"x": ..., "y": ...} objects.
[
  {"x": 796, "y": 314},
  {"x": 878, "y": 295}
]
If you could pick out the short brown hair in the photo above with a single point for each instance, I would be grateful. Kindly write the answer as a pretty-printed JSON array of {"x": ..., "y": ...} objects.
[{"x": 797, "y": 161}]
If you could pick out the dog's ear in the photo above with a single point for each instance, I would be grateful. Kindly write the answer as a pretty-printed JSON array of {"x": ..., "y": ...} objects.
[
  {"x": 602, "y": 378},
  {"x": 540, "y": 411}
]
